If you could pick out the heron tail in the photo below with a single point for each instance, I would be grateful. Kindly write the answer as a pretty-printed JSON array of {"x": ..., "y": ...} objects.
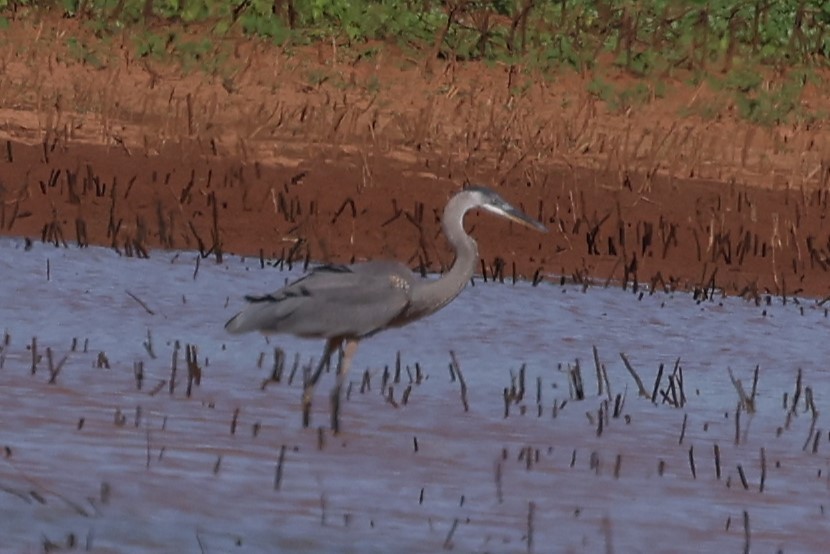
[
  {"x": 263, "y": 313},
  {"x": 239, "y": 324}
]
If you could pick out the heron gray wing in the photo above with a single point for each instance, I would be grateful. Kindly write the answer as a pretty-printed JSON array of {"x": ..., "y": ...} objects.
[
  {"x": 341, "y": 275},
  {"x": 331, "y": 301}
]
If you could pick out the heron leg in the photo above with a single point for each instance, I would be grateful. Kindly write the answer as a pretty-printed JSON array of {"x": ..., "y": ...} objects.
[
  {"x": 331, "y": 346},
  {"x": 342, "y": 371},
  {"x": 308, "y": 386}
]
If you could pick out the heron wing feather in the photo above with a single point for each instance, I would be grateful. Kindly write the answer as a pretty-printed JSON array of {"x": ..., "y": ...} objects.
[{"x": 331, "y": 301}]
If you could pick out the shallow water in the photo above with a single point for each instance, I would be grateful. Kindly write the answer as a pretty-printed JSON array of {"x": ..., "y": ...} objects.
[{"x": 123, "y": 469}]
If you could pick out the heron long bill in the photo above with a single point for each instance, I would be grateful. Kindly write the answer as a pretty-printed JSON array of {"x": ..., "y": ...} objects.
[{"x": 515, "y": 214}]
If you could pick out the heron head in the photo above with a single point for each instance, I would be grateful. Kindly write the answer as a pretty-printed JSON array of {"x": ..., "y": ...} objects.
[{"x": 490, "y": 200}]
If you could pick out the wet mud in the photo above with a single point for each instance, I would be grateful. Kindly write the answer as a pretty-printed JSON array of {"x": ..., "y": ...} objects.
[
  {"x": 665, "y": 233},
  {"x": 331, "y": 154}
]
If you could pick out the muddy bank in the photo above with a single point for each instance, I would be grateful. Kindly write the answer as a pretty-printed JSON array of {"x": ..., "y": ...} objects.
[
  {"x": 332, "y": 154},
  {"x": 249, "y": 97},
  {"x": 331, "y": 204}
]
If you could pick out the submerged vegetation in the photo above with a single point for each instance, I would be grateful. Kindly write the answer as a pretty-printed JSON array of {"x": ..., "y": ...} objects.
[{"x": 726, "y": 41}]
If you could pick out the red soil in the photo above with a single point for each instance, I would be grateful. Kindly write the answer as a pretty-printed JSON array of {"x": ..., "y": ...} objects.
[{"x": 332, "y": 154}]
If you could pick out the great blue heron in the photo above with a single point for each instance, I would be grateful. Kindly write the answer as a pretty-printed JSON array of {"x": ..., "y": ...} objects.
[{"x": 348, "y": 303}]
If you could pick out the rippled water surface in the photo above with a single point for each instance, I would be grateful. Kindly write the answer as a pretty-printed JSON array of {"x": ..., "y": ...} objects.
[{"x": 93, "y": 459}]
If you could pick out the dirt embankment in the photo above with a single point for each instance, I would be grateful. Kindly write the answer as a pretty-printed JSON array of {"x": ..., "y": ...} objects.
[{"x": 328, "y": 155}]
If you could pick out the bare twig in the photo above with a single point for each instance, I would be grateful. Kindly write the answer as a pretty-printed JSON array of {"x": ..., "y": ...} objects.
[
  {"x": 457, "y": 368},
  {"x": 643, "y": 392},
  {"x": 140, "y": 302}
]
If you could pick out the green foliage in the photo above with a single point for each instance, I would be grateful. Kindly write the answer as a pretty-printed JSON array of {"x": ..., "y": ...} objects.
[
  {"x": 649, "y": 39},
  {"x": 271, "y": 28},
  {"x": 620, "y": 100},
  {"x": 602, "y": 90},
  {"x": 636, "y": 95},
  {"x": 756, "y": 100},
  {"x": 196, "y": 54},
  {"x": 742, "y": 79},
  {"x": 644, "y": 36},
  {"x": 768, "y": 107},
  {"x": 150, "y": 44},
  {"x": 82, "y": 53}
]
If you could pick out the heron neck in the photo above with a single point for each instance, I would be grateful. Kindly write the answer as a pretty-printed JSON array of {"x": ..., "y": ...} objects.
[{"x": 437, "y": 293}]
